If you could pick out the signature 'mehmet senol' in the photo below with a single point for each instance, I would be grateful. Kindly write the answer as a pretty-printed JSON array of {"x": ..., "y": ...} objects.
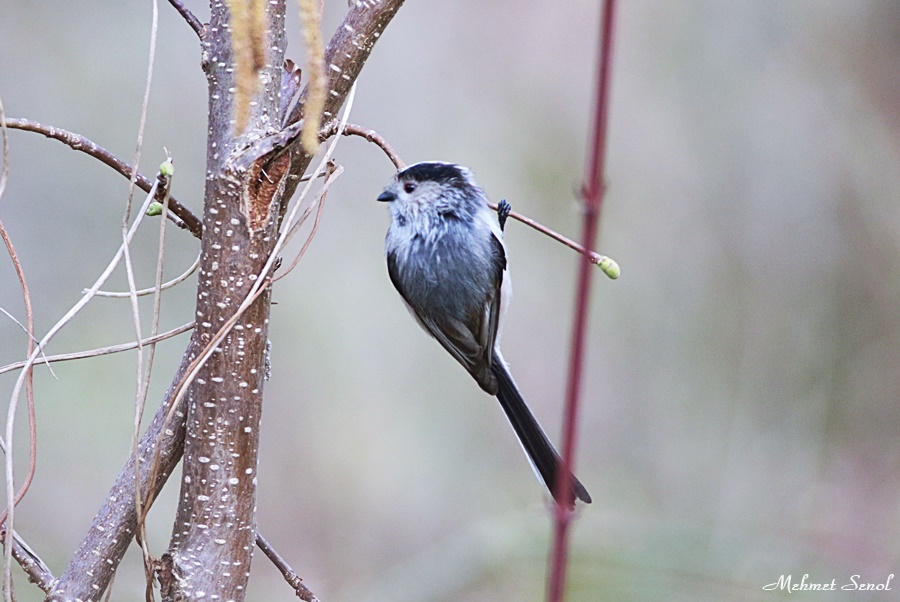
[{"x": 854, "y": 583}]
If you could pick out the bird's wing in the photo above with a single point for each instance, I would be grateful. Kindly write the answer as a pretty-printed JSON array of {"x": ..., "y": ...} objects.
[
  {"x": 470, "y": 340},
  {"x": 493, "y": 311}
]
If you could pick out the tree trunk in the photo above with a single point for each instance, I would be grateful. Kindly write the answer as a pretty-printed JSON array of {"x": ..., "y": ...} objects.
[
  {"x": 215, "y": 526},
  {"x": 216, "y": 422}
]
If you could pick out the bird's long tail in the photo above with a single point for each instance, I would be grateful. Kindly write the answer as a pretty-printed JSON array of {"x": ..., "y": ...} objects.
[{"x": 539, "y": 449}]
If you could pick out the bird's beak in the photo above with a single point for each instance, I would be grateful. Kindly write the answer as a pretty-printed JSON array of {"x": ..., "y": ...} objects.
[{"x": 386, "y": 197}]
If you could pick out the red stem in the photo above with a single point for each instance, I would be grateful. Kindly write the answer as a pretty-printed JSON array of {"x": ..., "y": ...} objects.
[{"x": 592, "y": 195}]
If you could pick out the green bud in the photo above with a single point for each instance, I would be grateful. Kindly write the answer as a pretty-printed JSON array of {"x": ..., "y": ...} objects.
[
  {"x": 155, "y": 208},
  {"x": 609, "y": 267},
  {"x": 166, "y": 168}
]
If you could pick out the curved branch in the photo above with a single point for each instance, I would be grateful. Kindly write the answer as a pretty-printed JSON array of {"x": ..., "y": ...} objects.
[
  {"x": 350, "y": 129},
  {"x": 185, "y": 219}
]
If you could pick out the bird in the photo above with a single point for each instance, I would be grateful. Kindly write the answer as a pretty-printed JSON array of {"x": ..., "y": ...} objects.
[{"x": 447, "y": 259}]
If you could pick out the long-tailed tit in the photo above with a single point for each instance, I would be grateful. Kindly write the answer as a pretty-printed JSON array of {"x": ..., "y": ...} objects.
[{"x": 446, "y": 257}]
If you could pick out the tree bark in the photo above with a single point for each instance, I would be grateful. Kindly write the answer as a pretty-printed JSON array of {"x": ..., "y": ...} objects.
[{"x": 215, "y": 525}]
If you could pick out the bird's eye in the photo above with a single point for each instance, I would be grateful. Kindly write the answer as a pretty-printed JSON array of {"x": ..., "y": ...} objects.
[{"x": 409, "y": 187}]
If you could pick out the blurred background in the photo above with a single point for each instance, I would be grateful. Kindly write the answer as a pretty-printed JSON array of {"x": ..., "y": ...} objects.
[{"x": 740, "y": 417}]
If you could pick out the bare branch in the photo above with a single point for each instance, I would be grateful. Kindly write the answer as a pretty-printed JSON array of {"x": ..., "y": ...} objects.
[
  {"x": 185, "y": 12},
  {"x": 609, "y": 267},
  {"x": 14, "y": 497},
  {"x": 29, "y": 376},
  {"x": 185, "y": 219},
  {"x": 333, "y": 173},
  {"x": 592, "y": 193},
  {"x": 349, "y": 49},
  {"x": 114, "y": 525},
  {"x": 29, "y": 321},
  {"x": 149, "y": 291},
  {"x": 38, "y": 572},
  {"x": 350, "y": 129},
  {"x": 80, "y": 355},
  {"x": 143, "y": 380},
  {"x": 294, "y": 580}
]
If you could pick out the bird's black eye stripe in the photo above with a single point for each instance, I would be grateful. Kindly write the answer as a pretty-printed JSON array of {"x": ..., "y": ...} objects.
[{"x": 409, "y": 187}]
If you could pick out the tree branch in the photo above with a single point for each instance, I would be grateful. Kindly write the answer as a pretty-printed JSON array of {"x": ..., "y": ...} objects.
[
  {"x": 38, "y": 572},
  {"x": 80, "y": 355},
  {"x": 185, "y": 12},
  {"x": 345, "y": 55},
  {"x": 182, "y": 215},
  {"x": 349, "y": 49},
  {"x": 92, "y": 568},
  {"x": 350, "y": 129},
  {"x": 285, "y": 569},
  {"x": 609, "y": 267}
]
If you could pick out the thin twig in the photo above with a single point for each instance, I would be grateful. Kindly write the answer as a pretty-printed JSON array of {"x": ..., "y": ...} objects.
[
  {"x": 33, "y": 357},
  {"x": 350, "y": 129},
  {"x": 292, "y": 578},
  {"x": 291, "y": 227},
  {"x": 80, "y": 355},
  {"x": 29, "y": 320},
  {"x": 17, "y": 388},
  {"x": 14, "y": 498},
  {"x": 592, "y": 193},
  {"x": 4, "y": 164},
  {"x": 149, "y": 291},
  {"x": 188, "y": 16},
  {"x": 142, "y": 381},
  {"x": 180, "y": 215},
  {"x": 334, "y": 173},
  {"x": 154, "y": 330},
  {"x": 24, "y": 329},
  {"x": 29, "y": 382},
  {"x": 609, "y": 267}
]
